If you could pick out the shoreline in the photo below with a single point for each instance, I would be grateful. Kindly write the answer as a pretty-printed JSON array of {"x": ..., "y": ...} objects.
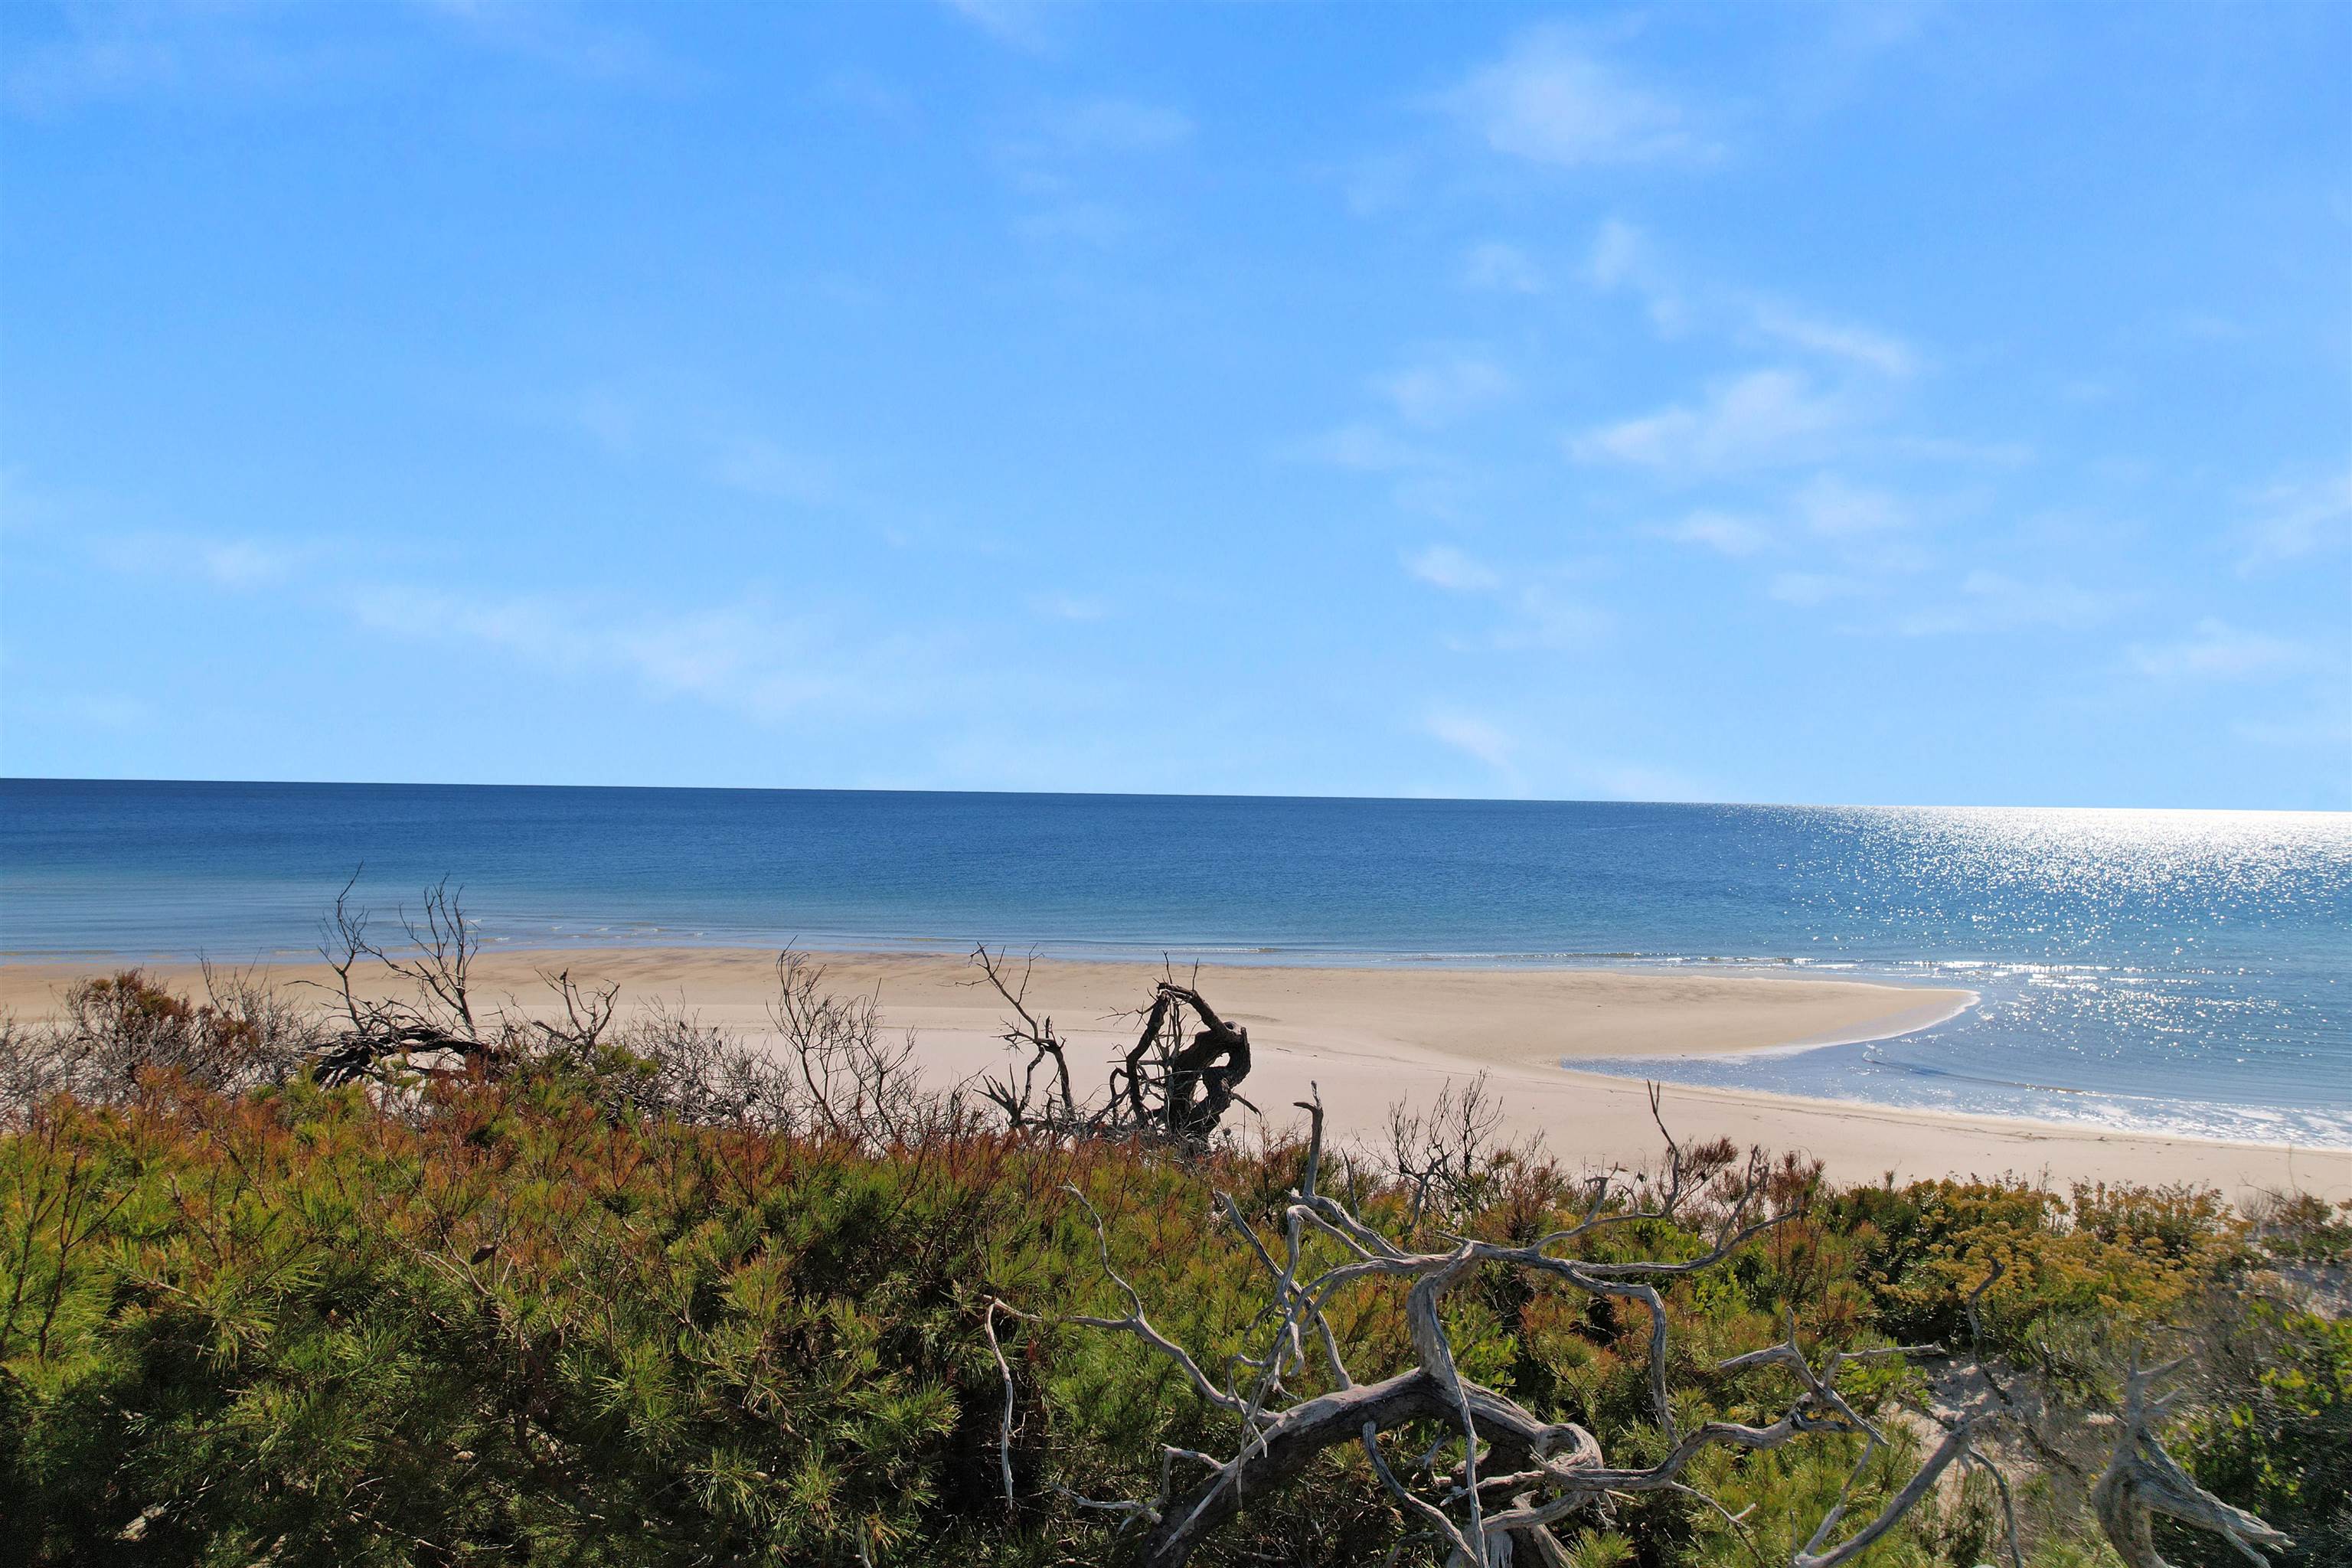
[{"x": 1372, "y": 1037}]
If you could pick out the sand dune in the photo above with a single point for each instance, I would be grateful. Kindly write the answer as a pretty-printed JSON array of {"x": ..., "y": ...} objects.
[{"x": 1368, "y": 1037}]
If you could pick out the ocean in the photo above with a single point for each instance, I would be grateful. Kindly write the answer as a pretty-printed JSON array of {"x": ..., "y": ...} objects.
[{"x": 2184, "y": 971}]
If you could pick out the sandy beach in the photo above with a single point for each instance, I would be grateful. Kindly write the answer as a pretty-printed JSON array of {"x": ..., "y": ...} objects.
[{"x": 1371, "y": 1036}]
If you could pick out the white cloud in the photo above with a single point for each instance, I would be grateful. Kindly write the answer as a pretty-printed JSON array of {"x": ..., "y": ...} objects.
[
  {"x": 1876, "y": 351},
  {"x": 1444, "y": 389},
  {"x": 1378, "y": 182},
  {"x": 1550, "y": 101},
  {"x": 1726, "y": 533},
  {"x": 1364, "y": 448},
  {"x": 762, "y": 468},
  {"x": 1056, "y": 162},
  {"x": 743, "y": 656},
  {"x": 1117, "y": 126},
  {"x": 608, "y": 420},
  {"x": 1527, "y": 614},
  {"x": 2215, "y": 650},
  {"x": 2291, "y": 520},
  {"x": 1619, "y": 254},
  {"x": 1443, "y": 566},
  {"x": 1955, "y": 450},
  {"x": 236, "y": 564},
  {"x": 870, "y": 94},
  {"x": 1069, "y": 607},
  {"x": 89, "y": 710},
  {"x": 2330, "y": 729},
  {"x": 1476, "y": 737},
  {"x": 243, "y": 564},
  {"x": 1990, "y": 600},
  {"x": 105, "y": 53},
  {"x": 2208, "y": 326},
  {"x": 1495, "y": 268},
  {"x": 1836, "y": 509},
  {"x": 1758, "y": 419},
  {"x": 1542, "y": 617},
  {"x": 1810, "y": 590},
  {"x": 1098, "y": 224},
  {"x": 1622, "y": 258},
  {"x": 568, "y": 38},
  {"x": 1021, "y": 23},
  {"x": 237, "y": 53}
]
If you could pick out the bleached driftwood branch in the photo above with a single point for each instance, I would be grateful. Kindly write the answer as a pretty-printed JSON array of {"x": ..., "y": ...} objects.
[{"x": 1499, "y": 1475}]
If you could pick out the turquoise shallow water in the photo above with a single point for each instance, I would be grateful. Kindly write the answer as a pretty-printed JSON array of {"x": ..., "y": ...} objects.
[{"x": 2185, "y": 971}]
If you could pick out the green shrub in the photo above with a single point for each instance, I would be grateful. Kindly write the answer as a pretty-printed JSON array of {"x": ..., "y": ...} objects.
[{"x": 524, "y": 1323}]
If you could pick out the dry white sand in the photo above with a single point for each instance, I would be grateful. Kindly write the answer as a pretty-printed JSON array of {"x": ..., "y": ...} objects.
[{"x": 1371, "y": 1036}]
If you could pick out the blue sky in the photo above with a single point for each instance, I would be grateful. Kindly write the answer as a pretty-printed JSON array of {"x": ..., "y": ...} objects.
[{"x": 1945, "y": 404}]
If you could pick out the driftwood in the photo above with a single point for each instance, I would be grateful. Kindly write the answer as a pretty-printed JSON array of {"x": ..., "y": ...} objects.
[
  {"x": 1168, "y": 1087},
  {"x": 2142, "y": 1480},
  {"x": 432, "y": 1025},
  {"x": 1499, "y": 1477}
]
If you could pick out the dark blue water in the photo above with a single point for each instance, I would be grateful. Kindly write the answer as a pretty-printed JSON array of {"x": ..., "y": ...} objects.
[{"x": 2176, "y": 969}]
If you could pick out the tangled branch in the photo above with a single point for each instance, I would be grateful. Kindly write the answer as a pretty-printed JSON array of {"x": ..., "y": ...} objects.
[
  {"x": 1499, "y": 1477},
  {"x": 1174, "y": 1086}
]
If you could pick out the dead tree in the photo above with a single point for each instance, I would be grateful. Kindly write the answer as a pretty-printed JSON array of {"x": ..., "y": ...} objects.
[
  {"x": 1499, "y": 1475},
  {"x": 1059, "y": 1111},
  {"x": 1439, "y": 1154},
  {"x": 432, "y": 1023},
  {"x": 2138, "y": 1480},
  {"x": 1185, "y": 1087},
  {"x": 854, "y": 1082},
  {"x": 1168, "y": 1087},
  {"x": 2141, "y": 1480}
]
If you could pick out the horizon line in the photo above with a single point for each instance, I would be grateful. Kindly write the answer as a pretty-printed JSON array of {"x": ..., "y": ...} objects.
[{"x": 12, "y": 779}]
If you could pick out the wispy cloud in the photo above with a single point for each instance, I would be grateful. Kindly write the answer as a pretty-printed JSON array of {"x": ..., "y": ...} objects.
[
  {"x": 233, "y": 563},
  {"x": 1115, "y": 125},
  {"x": 763, "y": 469},
  {"x": 105, "y": 711},
  {"x": 1495, "y": 268},
  {"x": 1551, "y": 100},
  {"x": 701, "y": 438},
  {"x": 1761, "y": 418},
  {"x": 1102, "y": 225},
  {"x": 1530, "y": 611},
  {"x": 1991, "y": 601},
  {"x": 1064, "y": 159},
  {"x": 111, "y": 53},
  {"x": 1624, "y": 258},
  {"x": 749, "y": 657},
  {"x": 2290, "y": 520},
  {"x": 1810, "y": 590},
  {"x": 1444, "y": 566},
  {"x": 1543, "y": 616},
  {"x": 1442, "y": 390},
  {"x": 1364, "y": 448},
  {"x": 2215, "y": 650},
  {"x": 2329, "y": 726},
  {"x": 1881, "y": 352},
  {"x": 753, "y": 654},
  {"x": 1834, "y": 509},
  {"x": 1069, "y": 607},
  {"x": 1621, "y": 257},
  {"x": 1726, "y": 533},
  {"x": 242, "y": 53},
  {"x": 1024, "y": 24},
  {"x": 1477, "y": 738},
  {"x": 576, "y": 40}
]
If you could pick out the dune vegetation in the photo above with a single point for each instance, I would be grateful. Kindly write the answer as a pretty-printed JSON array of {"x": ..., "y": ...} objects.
[{"x": 636, "y": 1293}]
